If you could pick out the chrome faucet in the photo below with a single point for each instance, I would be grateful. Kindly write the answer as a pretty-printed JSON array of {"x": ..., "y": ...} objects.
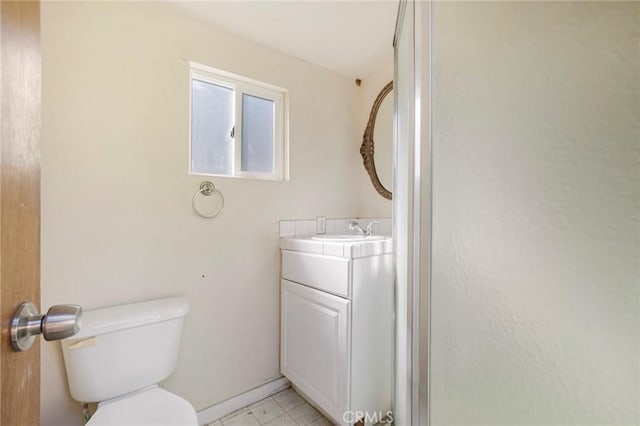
[
  {"x": 357, "y": 229},
  {"x": 370, "y": 227}
]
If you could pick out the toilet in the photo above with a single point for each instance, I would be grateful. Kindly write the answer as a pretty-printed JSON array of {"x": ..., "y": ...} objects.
[{"x": 118, "y": 358}]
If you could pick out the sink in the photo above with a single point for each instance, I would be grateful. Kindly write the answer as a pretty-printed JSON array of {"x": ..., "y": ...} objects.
[{"x": 347, "y": 238}]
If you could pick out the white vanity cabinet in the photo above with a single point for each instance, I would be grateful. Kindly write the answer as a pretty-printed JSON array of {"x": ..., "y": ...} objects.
[
  {"x": 315, "y": 340},
  {"x": 337, "y": 324}
]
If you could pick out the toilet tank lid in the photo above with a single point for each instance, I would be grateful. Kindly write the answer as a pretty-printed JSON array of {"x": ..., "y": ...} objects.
[{"x": 121, "y": 317}]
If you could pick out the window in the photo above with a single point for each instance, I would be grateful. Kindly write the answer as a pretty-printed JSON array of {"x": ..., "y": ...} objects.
[{"x": 238, "y": 126}]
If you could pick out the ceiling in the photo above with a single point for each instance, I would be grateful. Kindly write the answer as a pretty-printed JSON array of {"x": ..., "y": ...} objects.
[{"x": 352, "y": 38}]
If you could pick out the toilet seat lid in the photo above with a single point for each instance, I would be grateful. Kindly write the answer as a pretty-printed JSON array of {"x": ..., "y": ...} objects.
[{"x": 153, "y": 407}]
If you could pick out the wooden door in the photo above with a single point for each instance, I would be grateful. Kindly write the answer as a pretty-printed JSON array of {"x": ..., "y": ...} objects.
[
  {"x": 19, "y": 203},
  {"x": 315, "y": 346}
]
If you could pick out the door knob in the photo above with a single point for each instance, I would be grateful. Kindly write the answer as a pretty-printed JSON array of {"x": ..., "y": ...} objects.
[{"x": 59, "y": 322}]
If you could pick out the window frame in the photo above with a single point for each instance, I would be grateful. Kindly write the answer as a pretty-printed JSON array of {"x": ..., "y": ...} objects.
[{"x": 240, "y": 86}]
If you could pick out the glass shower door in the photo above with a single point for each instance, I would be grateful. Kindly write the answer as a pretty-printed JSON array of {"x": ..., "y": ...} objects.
[
  {"x": 534, "y": 209},
  {"x": 517, "y": 213}
]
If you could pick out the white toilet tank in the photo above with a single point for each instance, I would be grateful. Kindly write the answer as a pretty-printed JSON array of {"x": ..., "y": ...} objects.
[{"x": 122, "y": 349}]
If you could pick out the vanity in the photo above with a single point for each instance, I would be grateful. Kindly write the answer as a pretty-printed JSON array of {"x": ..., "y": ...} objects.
[{"x": 337, "y": 323}]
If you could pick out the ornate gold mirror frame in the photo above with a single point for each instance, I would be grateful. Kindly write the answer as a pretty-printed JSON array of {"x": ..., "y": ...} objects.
[{"x": 367, "y": 147}]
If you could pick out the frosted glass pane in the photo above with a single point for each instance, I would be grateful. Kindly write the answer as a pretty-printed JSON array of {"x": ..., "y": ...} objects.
[
  {"x": 211, "y": 124},
  {"x": 534, "y": 292},
  {"x": 257, "y": 134}
]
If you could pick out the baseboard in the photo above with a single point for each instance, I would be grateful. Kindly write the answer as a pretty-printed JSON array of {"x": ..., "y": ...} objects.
[{"x": 215, "y": 412}]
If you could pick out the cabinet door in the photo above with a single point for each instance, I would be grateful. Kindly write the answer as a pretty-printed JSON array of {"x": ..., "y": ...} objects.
[{"x": 315, "y": 345}]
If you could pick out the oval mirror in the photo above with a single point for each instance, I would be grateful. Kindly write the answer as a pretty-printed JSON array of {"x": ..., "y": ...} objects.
[{"x": 378, "y": 155}]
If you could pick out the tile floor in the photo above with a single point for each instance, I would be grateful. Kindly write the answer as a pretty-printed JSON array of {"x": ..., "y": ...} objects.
[{"x": 286, "y": 408}]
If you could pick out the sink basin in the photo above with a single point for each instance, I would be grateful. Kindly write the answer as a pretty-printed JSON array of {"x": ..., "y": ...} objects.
[{"x": 347, "y": 238}]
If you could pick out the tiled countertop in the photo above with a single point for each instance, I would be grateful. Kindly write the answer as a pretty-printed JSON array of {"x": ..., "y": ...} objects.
[{"x": 349, "y": 250}]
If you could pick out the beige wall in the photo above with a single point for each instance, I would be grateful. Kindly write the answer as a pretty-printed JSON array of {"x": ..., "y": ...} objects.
[{"x": 117, "y": 224}]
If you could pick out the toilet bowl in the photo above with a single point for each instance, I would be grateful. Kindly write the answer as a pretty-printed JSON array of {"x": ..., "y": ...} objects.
[
  {"x": 150, "y": 407},
  {"x": 118, "y": 358}
]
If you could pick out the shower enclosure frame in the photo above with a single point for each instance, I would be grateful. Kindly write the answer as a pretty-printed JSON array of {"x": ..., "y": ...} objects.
[{"x": 412, "y": 210}]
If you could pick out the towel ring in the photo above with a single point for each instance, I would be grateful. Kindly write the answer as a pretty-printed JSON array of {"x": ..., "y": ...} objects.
[{"x": 207, "y": 189}]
